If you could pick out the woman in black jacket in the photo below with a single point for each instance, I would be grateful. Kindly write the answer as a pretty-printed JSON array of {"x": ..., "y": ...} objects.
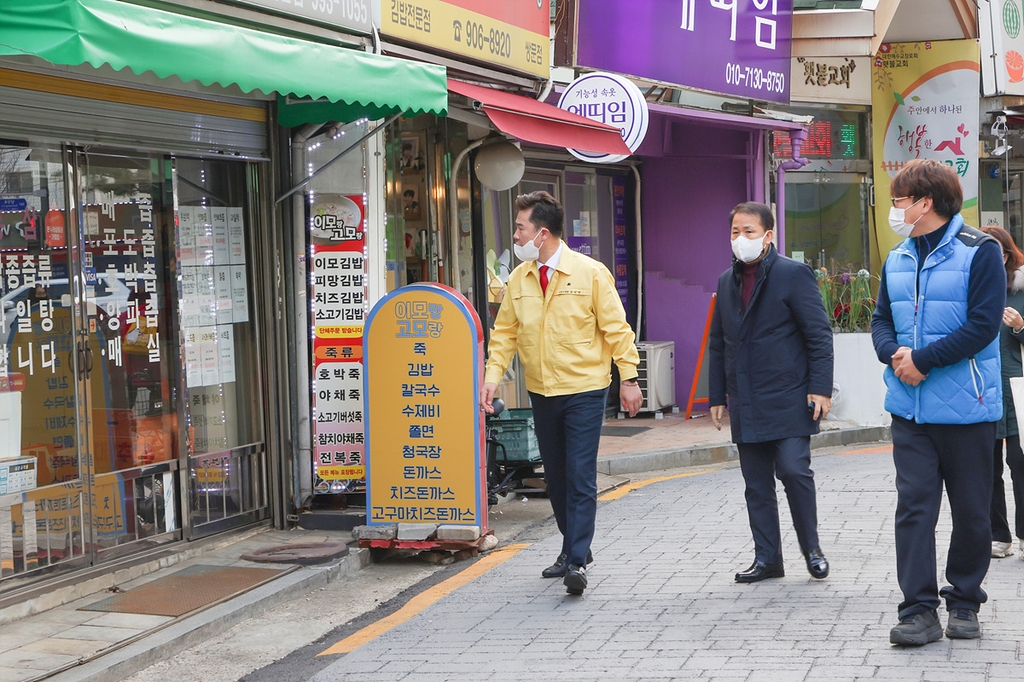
[{"x": 1010, "y": 338}]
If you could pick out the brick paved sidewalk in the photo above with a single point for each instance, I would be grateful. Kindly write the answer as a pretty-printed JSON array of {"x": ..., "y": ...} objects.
[{"x": 662, "y": 603}]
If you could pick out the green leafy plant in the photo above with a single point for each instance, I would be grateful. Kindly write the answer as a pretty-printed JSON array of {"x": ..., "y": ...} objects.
[{"x": 848, "y": 298}]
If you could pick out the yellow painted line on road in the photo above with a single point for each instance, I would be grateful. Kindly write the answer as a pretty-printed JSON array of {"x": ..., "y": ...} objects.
[
  {"x": 424, "y": 599},
  {"x": 866, "y": 451},
  {"x": 624, "y": 490}
]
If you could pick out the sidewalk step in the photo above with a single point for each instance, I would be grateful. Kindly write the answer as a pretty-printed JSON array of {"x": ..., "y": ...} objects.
[{"x": 697, "y": 455}]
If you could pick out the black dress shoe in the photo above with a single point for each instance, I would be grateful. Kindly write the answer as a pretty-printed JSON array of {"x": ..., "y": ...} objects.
[
  {"x": 575, "y": 580},
  {"x": 817, "y": 564},
  {"x": 759, "y": 571},
  {"x": 558, "y": 569}
]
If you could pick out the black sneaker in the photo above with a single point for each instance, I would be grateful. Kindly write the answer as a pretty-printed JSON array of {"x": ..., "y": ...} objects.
[
  {"x": 918, "y": 629},
  {"x": 557, "y": 569},
  {"x": 575, "y": 580},
  {"x": 963, "y": 624}
]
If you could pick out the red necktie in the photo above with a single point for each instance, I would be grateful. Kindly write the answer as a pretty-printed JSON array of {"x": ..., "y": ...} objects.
[{"x": 544, "y": 279}]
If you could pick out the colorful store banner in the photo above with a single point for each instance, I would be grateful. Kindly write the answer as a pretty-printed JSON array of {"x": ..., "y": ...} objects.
[
  {"x": 737, "y": 47},
  {"x": 424, "y": 428},
  {"x": 514, "y": 34},
  {"x": 337, "y": 230},
  {"x": 925, "y": 106},
  {"x": 1002, "y": 68}
]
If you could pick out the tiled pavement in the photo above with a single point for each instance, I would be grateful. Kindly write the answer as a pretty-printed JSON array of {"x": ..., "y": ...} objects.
[
  {"x": 65, "y": 637},
  {"x": 662, "y": 603}
]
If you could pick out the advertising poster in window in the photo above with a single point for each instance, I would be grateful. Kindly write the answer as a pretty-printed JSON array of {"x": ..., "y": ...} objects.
[
  {"x": 338, "y": 294},
  {"x": 925, "y": 106}
]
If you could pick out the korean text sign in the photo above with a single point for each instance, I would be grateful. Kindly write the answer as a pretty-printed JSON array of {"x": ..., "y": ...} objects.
[
  {"x": 337, "y": 230},
  {"x": 925, "y": 106},
  {"x": 511, "y": 33},
  {"x": 735, "y": 47},
  {"x": 423, "y": 353}
]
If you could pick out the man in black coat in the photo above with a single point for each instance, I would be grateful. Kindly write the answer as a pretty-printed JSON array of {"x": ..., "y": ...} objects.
[{"x": 771, "y": 357}]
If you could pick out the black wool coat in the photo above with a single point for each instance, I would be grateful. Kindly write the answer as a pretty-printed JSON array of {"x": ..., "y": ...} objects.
[{"x": 767, "y": 359}]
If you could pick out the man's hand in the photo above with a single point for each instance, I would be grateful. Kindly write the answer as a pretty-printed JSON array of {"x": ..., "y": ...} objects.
[
  {"x": 487, "y": 396},
  {"x": 631, "y": 398},
  {"x": 822, "y": 405},
  {"x": 1012, "y": 318},
  {"x": 903, "y": 365},
  {"x": 717, "y": 412}
]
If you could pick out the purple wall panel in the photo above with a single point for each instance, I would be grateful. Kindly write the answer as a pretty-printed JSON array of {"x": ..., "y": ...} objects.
[{"x": 686, "y": 204}]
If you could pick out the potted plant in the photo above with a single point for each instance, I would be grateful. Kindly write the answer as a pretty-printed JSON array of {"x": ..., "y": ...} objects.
[{"x": 858, "y": 392}]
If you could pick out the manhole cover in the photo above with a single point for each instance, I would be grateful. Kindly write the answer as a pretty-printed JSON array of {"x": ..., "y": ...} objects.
[{"x": 298, "y": 553}]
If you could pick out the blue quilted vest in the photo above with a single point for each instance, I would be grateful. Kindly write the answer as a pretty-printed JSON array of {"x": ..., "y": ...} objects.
[{"x": 929, "y": 307}]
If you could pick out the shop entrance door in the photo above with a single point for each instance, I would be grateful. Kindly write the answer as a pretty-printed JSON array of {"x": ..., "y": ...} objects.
[{"x": 88, "y": 470}]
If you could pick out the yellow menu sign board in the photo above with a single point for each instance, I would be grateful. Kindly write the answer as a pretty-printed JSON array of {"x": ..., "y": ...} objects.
[
  {"x": 423, "y": 358},
  {"x": 512, "y": 33}
]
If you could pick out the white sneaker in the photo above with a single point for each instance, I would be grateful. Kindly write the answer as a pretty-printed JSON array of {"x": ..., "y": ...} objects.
[
  {"x": 1001, "y": 549},
  {"x": 1021, "y": 555}
]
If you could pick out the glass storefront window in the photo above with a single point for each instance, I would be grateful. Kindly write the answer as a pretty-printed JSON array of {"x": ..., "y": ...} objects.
[
  {"x": 128, "y": 346},
  {"x": 215, "y": 307}
]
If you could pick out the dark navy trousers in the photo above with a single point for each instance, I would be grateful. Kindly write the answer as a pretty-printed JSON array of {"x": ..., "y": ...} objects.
[
  {"x": 1015, "y": 462},
  {"x": 926, "y": 457},
  {"x": 568, "y": 432},
  {"x": 790, "y": 460}
]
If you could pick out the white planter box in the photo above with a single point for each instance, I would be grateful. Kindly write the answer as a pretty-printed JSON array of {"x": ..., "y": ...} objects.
[{"x": 859, "y": 391}]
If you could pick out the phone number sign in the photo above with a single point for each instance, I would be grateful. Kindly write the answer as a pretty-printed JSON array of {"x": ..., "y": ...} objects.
[{"x": 735, "y": 47}]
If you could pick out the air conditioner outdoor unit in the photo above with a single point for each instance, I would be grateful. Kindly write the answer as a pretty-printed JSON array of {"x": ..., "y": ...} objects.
[{"x": 657, "y": 376}]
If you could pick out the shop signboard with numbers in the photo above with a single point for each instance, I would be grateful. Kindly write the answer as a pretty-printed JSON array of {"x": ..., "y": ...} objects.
[
  {"x": 423, "y": 352},
  {"x": 337, "y": 238}
]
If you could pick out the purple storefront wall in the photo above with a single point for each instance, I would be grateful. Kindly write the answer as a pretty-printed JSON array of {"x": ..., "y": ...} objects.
[{"x": 692, "y": 177}]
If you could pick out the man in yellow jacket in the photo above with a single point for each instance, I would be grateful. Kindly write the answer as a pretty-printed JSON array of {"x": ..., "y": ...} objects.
[{"x": 562, "y": 314}]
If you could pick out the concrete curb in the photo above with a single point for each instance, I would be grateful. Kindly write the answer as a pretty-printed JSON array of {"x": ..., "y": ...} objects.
[
  {"x": 674, "y": 458},
  {"x": 182, "y": 634}
]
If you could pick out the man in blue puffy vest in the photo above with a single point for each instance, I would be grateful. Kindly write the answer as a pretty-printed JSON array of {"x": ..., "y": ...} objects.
[{"x": 936, "y": 328}]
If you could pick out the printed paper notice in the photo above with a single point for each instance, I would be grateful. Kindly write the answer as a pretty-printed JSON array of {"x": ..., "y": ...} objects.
[
  {"x": 207, "y": 290},
  {"x": 203, "y": 231},
  {"x": 222, "y": 284},
  {"x": 221, "y": 251},
  {"x": 186, "y": 237},
  {"x": 239, "y": 294},
  {"x": 226, "y": 352},
  {"x": 210, "y": 356},
  {"x": 236, "y": 235},
  {"x": 193, "y": 360}
]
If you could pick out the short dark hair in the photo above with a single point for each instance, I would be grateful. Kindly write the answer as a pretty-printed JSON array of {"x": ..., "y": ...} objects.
[
  {"x": 409, "y": 193},
  {"x": 921, "y": 178},
  {"x": 755, "y": 208},
  {"x": 1014, "y": 258},
  {"x": 545, "y": 211}
]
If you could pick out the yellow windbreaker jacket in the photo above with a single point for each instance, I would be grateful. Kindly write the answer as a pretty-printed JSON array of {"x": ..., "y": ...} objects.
[{"x": 567, "y": 339}]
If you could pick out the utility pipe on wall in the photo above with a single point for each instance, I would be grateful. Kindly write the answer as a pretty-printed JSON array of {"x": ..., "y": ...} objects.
[
  {"x": 453, "y": 212},
  {"x": 302, "y": 447},
  {"x": 796, "y": 138},
  {"x": 639, "y": 259}
]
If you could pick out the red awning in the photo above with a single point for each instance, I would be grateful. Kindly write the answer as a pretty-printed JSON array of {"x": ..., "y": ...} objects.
[{"x": 533, "y": 121}]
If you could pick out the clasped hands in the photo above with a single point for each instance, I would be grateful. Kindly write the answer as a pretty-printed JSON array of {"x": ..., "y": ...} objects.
[{"x": 904, "y": 367}]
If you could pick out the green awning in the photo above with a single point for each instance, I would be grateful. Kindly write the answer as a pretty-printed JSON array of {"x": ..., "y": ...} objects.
[{"x": 337, "y": 83}]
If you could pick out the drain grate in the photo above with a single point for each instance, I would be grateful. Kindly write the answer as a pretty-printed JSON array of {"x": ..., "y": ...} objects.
[{"x": 187, "y": 590}]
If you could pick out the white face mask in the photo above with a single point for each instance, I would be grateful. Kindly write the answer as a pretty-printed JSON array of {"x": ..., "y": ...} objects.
[
  {"x": 898, "y": 223},
  {"x": 746, "y": 249},
  {"x": 528, "y": 251}
]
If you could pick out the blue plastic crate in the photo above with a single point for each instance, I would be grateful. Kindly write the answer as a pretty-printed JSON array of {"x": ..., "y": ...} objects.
[{"x": 514, "y": 429}]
